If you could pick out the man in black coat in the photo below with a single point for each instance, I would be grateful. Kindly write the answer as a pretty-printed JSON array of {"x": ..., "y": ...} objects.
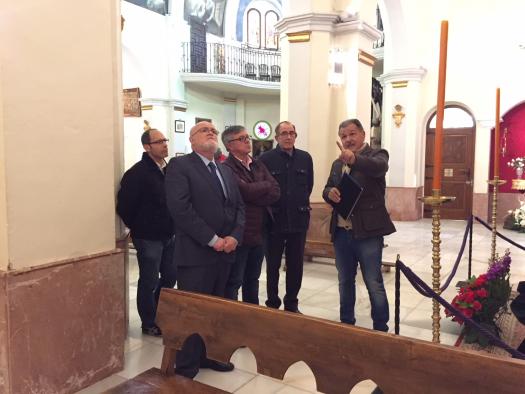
[
  {"x": 359, "y": 238},
  {"x": 293, "y": 170},
  {"x": 141, "y": 203}
]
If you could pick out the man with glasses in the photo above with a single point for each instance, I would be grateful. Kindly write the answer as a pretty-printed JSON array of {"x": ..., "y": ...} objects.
[
  {"x": 258, "y": 190},
  {"x": 141, "y": 203},
  {"x": 207, "y": 208},
  {"x": 208, "y": 211},
  {"x": 293, "y": 170}
]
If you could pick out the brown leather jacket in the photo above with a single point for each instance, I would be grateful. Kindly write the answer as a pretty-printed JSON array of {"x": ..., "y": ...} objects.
[
  {"x": 370, "y": 217},
  {"x": 258, "y": 189}
]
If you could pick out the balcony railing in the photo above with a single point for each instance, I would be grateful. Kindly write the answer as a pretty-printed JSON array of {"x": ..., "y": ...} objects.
[
  {"x": 217, "y": 58},
  {"x": 380, "y": 42}
]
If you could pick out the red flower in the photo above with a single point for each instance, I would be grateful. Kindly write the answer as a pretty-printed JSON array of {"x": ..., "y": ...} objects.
[
  {"x": 481, "y": 280},
  {"x": 468, "y": 312},
  {"x": 476, "y": 305},
  {"x": 482, "y": 293},
  {"x": 469, "y": 296}
]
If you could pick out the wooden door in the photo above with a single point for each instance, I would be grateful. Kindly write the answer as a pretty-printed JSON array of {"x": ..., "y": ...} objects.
[{"x": 458, "y": 171}]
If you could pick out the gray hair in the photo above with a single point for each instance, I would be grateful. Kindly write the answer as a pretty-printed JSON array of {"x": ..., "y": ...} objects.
[
  {"x": 229, "y": 132},
  {"x": 348, "y": 122}
]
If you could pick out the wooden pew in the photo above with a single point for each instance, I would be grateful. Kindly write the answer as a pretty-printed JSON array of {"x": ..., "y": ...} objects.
[
  {"x": 153, "y": 381},
  {"x": 339, "y": 355}
]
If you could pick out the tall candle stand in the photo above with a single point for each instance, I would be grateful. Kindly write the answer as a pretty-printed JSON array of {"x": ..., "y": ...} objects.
[
  {"x": 435, "y": 201},
  {"x": 496, "y": 183}
]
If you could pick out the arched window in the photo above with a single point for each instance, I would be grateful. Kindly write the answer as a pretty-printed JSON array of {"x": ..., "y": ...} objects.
[
  {"x": 254, "y": 28},
  {"x": 454, "y": 117},
  {"x": 271, "y": 39}
]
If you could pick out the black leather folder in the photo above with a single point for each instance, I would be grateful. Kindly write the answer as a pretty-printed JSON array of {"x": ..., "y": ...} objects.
[{"x": 350, "y": 191}]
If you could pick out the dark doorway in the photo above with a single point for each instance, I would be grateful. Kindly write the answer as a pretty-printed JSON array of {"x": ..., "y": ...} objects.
[{"x": 459, "y": 137}]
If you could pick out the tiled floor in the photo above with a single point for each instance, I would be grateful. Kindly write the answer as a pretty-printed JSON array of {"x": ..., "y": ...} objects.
[{"x": 319, "y": 297}]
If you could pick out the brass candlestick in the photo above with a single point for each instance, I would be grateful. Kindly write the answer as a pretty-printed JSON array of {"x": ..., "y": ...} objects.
[
  {"x": 435, "y": 201},
  {"x": 496, "y": 182}
]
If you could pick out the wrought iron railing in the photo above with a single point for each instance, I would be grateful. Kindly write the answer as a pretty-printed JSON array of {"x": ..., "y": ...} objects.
[
  {"x": 380, "y": 42},
  {"x": 217, "y": 58}
]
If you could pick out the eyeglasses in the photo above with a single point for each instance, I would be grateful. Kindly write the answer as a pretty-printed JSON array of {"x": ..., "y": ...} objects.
[
  {"x": 286, "y": 134},
  {"x": 163, "y": 141},
  {"x": 244, "y": 138},
  {"x": 207, "y": 130}
]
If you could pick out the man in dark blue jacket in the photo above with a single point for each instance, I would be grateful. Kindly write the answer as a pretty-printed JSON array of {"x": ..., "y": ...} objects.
[
  {"x": 293, "y": 170},
  {"x": 141, "y": 203}
]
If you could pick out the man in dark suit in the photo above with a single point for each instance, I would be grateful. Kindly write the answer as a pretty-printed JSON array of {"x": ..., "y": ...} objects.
[
  {"x": 208, "y": 211},
  {"x": 358, "y": 239},
  {"x": 207, "y": 207},
  {"x": 141, "y": 203}
]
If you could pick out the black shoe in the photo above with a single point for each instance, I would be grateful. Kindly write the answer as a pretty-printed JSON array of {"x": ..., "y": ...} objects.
[
  {"x": 293, "y": 310},
  {"x": 153, "y": 331},
  {"x": 273, "y": 303},
  {"x": 217, "y": 365}
]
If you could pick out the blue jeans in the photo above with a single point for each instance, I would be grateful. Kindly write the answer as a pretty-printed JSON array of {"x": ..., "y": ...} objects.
[
  {"x": 245, "y": 272},
  {"x": 155, "y": 258},
  {"x": 368, "y": 253}
]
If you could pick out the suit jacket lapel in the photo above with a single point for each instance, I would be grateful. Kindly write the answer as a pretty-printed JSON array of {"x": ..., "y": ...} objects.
[{"x": 205, "y": 173}]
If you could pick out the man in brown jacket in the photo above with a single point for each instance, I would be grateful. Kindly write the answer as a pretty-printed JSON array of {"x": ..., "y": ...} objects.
[
  {"x": 258, "y": 190},
  {"x": 358, "y": 239}
]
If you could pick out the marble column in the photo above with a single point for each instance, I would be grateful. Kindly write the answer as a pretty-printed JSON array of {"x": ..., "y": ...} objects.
[
  {"x": 309, "y": 97},
  {"x": 403, "y": 135},
  {"x": 62, "y": 279}
]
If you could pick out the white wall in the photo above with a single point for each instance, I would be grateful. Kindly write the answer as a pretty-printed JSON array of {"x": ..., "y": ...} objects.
[
  {"x": 262, "y": 108},
  {"x": 4, "y": 253},
  {"x": 60, "y": 100}
]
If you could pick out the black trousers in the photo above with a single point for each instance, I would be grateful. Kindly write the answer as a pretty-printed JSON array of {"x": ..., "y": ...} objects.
[
  {"x": 292, "y": 244},
  {"x": 155, "y": 258},
  {"x": 205, "y": 279}
]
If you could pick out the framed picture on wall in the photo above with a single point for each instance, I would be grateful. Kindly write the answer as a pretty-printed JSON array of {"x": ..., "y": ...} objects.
[
  {"x": 132, "y": 107},
  {"x": 197, "y": 120},
  {"x": 177, "y": 154},
  {"x": 179, "y": 126}
]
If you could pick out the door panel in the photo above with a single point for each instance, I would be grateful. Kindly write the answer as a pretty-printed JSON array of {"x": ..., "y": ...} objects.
[{"x": 457, "y": 172}]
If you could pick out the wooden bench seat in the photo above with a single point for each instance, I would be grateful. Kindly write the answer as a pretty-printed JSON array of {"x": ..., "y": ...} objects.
[
  {"x": 339, "y": 355},
  {"x": 153, "y": 382}
]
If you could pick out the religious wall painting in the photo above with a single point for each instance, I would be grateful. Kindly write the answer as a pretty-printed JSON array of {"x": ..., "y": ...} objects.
[
  {"x": 131, "y": 99},
  {"x": 209, "y": 13},
  {"x": 158, "y": 6},
  {"x": 259, "y": 147}
]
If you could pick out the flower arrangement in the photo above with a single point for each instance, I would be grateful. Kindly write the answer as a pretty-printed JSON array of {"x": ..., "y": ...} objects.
[
  {"x": 484, "y": 299},
  {"x": 518, "y": 218},
  {"x": 517, "y": 162}
]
